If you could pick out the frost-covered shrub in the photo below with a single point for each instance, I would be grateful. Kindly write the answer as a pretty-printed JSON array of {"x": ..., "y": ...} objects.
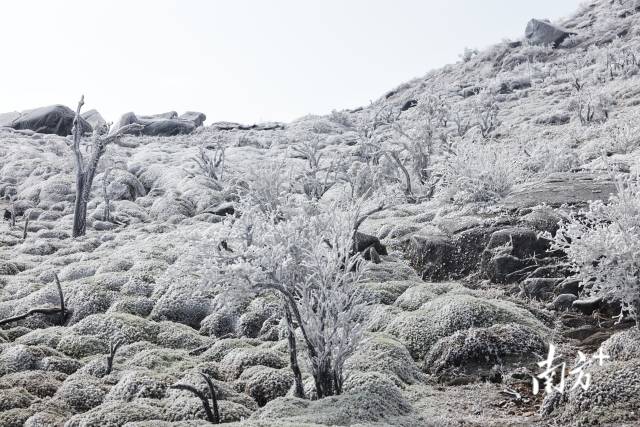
[
  {"x": 443, "y": 316},
  {"x": 302, "y": 252},
  {"x": 602, "y": 244},
  {"x": 477, "y": 172},
  {"x": 551, "y": 156},
  {"x": 341, "y": 117}
]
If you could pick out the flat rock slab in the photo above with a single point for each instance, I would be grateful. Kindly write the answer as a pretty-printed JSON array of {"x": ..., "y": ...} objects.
[{"x": 560, "y": 189}]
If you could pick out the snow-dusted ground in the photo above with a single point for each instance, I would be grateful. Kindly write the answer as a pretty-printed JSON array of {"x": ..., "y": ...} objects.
[{"x": 452, "y": 335}]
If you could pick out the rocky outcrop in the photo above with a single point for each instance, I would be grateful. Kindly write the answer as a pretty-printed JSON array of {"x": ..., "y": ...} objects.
[
  {"x": 54, "y": 119},
  {"x": 238, "y": 126},
  {"x": 559, "y": 189},
  {"x": 541, "y": 32},
  {"x": 164, "y": 124}
]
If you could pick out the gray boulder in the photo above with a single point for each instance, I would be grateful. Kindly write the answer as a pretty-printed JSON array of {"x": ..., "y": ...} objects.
[
  {"x": 95, "y": 119},
  {"x": 54, "y": 119},
  {"x": 167, "y": 127},
  {"x": 540, "y": 32},
  {"x": 194, "y": 116}
]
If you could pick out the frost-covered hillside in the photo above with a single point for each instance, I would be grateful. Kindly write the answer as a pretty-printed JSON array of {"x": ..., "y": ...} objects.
[{"x": 404, "y": 263}]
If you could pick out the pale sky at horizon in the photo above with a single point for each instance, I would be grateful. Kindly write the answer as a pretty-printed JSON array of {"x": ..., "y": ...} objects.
[{"x": 241, "y": 60}]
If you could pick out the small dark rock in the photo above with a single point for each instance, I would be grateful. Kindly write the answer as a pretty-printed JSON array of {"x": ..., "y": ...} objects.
[
  {"x": 499, "y": 267},
  {"x": 539, "y": 288},
  {"x": 587, "y": 306},
  {"x": 568, "y": 287},
  {"x": 224, "y": 209},
  {"x": 409, "y": 104},
  {"x": 562, "y": 302},
  {"x": 365, "y": 241}
]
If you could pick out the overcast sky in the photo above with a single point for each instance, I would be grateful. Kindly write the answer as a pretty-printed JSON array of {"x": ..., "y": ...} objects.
[{"x": 239, "y": 60}]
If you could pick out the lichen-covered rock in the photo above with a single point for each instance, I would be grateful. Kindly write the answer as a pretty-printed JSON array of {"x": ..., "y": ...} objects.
[
  {"x": 49, "y": 337},
  {"x": 79, "y": 346},
  {"x": 477, "y": 349},
  {"x": 139, "y": 384},
  {"x": 15, "y": 417},
  {"x": 611, "y": 398},
  {"x": 117, "y": 414},
  {"x": 443, "y": 316},
  {"x": 224, "y": 346},
  {"x": 65, "y": 365},
  {"x": 15, "y": 397},
  {"x": 186, "y": 407},
  {"x": 238, "y": 359},
  {"x": 368, "y": 398},
  {"x": 389, "y": 271},
  {"x": 177, "y": 335},
  {"x": 81, "y": 392},
  {"x": 384, "y": 354},
  {"x": 117, "y": 326},
  {"x": 38, "y": 383},
  {"x": 384, "y": 292},
  {"x": 77, "y": 271},
  {"x": 123, "y": 185},
  {"x": 266, "y": 384},
  {"x": 219, "y": 323},
  {"x": 87, "y": 300},
  {"x": 18, "y": 357},
  {"x": 378, "y": 316},
  {"x": 182, "y": 303},
  {"x": 252, "y": 320},
  {"x": 623, "y": 345},
  {"x": 135, "y": 305},
  {"x": 413, "y": 297}
]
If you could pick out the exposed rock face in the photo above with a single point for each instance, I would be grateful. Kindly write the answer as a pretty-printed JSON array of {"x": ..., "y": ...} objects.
[
  {"x": 543, "y": 32},
  {"x": 164, "y": 124},
  {"x": 561, "y": 188},
  {"x": 54, "y": 119}
]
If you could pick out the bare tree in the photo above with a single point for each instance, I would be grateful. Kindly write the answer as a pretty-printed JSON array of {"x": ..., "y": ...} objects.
[
  {"x": 105, "y": 194},
  {"x": 85, "y": 172}
]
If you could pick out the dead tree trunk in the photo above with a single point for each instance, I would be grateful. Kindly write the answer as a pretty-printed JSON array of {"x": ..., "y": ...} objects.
[
  {"x": 86, "y": 172},
  {"x": 293, "y": 354}
]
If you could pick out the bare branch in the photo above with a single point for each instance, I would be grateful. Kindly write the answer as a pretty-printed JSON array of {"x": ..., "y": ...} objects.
[{"x": 41, "y": 310}]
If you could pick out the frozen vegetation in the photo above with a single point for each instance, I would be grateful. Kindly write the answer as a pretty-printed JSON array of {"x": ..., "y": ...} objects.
[{"x": 404, "y": 263}]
